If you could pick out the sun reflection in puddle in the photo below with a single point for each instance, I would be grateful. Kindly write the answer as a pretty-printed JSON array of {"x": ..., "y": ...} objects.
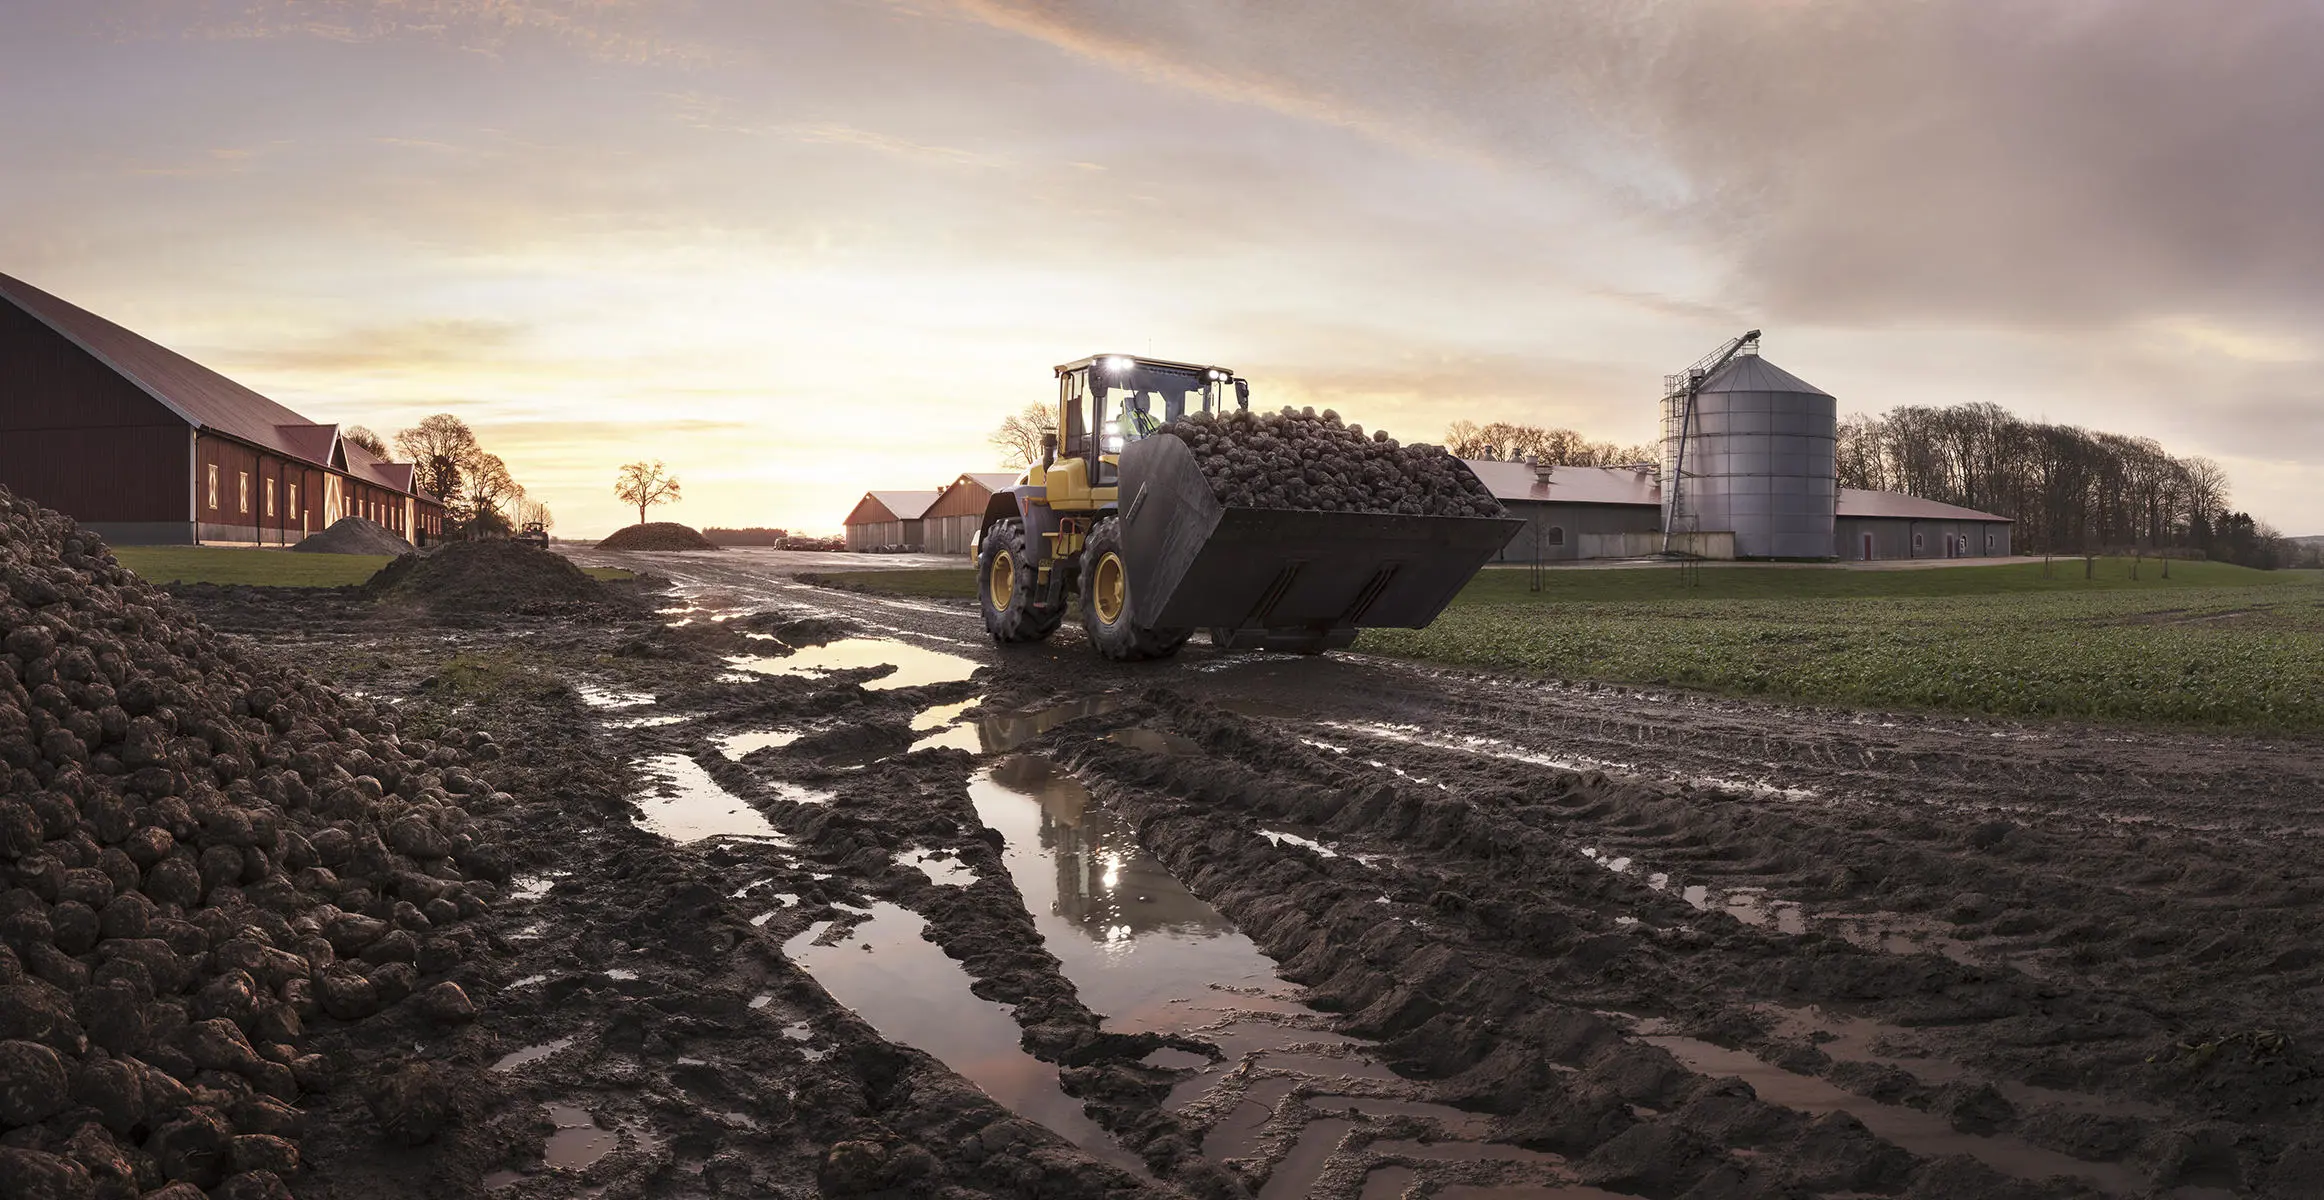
[
  {"x": 905, "y": 987},
  {"x": 599, "y": 697},
  {"x": 915, "y": 666},
  {"x": 687, "y": 805}
]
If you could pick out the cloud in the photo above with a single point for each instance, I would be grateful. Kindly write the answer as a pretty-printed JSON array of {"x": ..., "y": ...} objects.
[
  {"x": 1850, "y": 162},
  {"x": 413, "y": 347},
  {"x": 631, "y": 31}
]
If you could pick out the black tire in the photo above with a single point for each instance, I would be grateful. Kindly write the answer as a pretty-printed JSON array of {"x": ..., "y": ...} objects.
[
  {"x": 1015, "y": 617},
  {"x": 1105, "y": 593}
]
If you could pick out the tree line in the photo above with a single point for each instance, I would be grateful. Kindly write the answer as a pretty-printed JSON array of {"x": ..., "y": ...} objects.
[
  {"x": 1502, "y": 441},
  {"x": 2069, "y": 490},
  {"x": 480, "y": 497}
]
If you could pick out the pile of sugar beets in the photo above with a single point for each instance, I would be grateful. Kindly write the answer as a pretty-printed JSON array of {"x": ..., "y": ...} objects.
[
  {"x": 1300, "y": 459},
  {"x": 203, "y": 856}
]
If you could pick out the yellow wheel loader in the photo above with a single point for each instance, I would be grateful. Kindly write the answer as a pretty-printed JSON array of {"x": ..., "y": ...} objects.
[{"x": 1120, "y": 515}]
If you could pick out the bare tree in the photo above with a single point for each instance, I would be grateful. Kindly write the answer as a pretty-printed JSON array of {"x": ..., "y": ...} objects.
[
  {"x": 439, "y": 447},
  {"x": 490, "y": 487},
  {"x": 362, "y": 436},
  {"x": 646, "y": 484},
  {"x": 529, "y": 511},
  {"x": 1019, "y": 437}
]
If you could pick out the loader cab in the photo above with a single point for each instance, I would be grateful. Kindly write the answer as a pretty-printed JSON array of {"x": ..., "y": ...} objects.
[{"x": 1105, "y": 399}]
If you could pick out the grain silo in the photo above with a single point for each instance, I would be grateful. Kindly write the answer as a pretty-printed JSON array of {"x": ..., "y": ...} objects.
[{"x": 1747, "y": 448}]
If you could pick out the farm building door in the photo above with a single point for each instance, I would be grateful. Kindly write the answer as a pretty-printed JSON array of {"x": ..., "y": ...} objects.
[
  {"x": 1868, "y": 547},
  {"x": 334, "y": 500}
]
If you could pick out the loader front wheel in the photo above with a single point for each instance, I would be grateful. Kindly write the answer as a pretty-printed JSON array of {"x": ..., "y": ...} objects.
[
  {"x": 1109, "y": 613},
  {"x": 1005, "y": 571}
]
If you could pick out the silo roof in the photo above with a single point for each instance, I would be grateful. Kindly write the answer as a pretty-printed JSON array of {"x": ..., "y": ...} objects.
[{"x": 1752, "y": 373}]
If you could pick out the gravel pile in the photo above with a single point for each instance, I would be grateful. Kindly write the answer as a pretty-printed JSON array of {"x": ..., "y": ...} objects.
[
  {"x": 486, "y": 576},
  {"x": 658, "y": 535},
  {"x": 1299, "y": 459},
  {"x": 354, "y": 535},
  {"x": 204, "y": 856}
]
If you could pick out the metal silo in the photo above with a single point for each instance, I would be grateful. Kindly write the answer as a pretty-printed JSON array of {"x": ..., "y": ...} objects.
[{"x": 1747, "y": 447}]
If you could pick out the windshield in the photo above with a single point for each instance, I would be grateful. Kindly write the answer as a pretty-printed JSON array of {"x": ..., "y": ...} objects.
[{"x": 1162, "y": 394}]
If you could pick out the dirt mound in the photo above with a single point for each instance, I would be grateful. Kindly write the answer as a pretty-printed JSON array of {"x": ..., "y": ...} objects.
[
  {"x": 657, "y": 535},
  {"x": 487, "y": 576},
  {"x": 211, "y": 862},
  {"x": 1298, "y": 459},
  {"x": 354, "y": 535}
]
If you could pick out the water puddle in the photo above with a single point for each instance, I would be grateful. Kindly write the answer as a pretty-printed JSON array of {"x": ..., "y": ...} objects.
[
  {"x": 915, "y": 666},
  {"x": 1295, "y": 1175},
  {"x": 578, "y": 1141},
  {"x": 533, "y": 887},
  {"x": 1861, "y": 1039},
  {"x": 939, "y": 866},
  {"x": 530, "y": 1054},
  {"x": 1459, "y": 1124},
  {"x": 906, "y": 988},
  {"x": 1002, "y": 732},
  {"x": 598, "y": 697},
  {"x": 652, "y": 722},
  {"x": 1279, "y": 837},
  {"x": 1136, "y": 944},
  {"x": 688, "y": 805},
  {"x": 1919, "y": 1132}
]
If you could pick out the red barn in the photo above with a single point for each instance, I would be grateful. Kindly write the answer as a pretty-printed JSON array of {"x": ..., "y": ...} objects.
[{"x": 148, "y": 447}]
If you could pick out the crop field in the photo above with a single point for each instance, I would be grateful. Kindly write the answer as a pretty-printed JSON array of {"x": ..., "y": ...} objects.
[
  {"x": 247, "y": 567},
  {"x": 2214, "y": 645}
]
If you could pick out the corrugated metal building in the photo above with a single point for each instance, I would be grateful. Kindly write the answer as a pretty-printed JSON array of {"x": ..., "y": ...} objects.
[
  {"x": 1616, "y": 512},
  {"x": 146, "y": 446},
  {"x": 950, "y": 525},
  {"x": 888, "y": 521}
]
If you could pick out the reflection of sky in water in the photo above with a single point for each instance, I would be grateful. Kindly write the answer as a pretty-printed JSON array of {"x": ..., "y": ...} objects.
[
  {"x": 1130, "y": 936},
  {"x": 908, "y": 990},
  {"x": 915, "y": 665}
]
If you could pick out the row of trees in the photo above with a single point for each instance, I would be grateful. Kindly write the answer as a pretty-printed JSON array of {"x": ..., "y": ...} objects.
[
  {"x": 480, "y": 497},
  {"x": 1502, "y": 441},
  {"x": 2070, "y": 490}
]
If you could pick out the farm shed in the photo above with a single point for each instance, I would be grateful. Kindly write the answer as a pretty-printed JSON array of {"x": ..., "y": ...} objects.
[
  {"x": 1874, "y": 525},
  {"x": 951, "y": 523},
  {"x": 1576, "y": 512},
  {"x": 146, "y": 446},
  {"x": 888, "y": 520}
]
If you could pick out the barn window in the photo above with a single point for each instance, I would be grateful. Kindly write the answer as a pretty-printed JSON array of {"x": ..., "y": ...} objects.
[
  {"x": 270, "y": 497},
  {"x": 1557, "y": 535},
  {"x": 1916, "y": 543},
  {"x": 295, "y": 510},
  {"x": 1989, "y": 541},
  {"x": 242, "y": 490}
]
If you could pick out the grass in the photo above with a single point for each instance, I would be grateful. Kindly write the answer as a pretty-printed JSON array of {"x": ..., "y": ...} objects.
[
  {"x": 2215, "y": 645},
  {"x": 269, "y": 568}
]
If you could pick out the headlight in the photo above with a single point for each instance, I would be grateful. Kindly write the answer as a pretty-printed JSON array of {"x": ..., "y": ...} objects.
[
  {"x": 1120, "y": 364},
  {"x": 1113, "y": 445}
]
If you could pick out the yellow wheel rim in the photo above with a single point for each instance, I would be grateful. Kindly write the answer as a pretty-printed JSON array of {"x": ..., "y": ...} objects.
[
  {"x": 1002, "y": 583},
  {"x": 1112, "y": 590}
]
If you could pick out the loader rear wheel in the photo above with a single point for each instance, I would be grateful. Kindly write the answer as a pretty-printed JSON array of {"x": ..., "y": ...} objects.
[
  {"x": 1109, "y": 613},
  {"x": 1005, "y": 570}
]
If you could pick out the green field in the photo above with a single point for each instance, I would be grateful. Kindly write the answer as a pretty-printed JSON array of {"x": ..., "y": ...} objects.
[
  {"x": 2214, "y": 645},
  {"x": 265, "y": 568}
]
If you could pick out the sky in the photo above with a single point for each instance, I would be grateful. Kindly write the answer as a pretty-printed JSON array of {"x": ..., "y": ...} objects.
[{"x": 799, "y": 249}]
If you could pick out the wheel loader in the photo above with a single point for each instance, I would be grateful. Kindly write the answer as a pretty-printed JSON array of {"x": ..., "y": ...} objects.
[{"x": 1120, "y": 515}]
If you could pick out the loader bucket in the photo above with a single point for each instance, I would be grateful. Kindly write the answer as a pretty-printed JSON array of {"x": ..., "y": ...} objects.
[{"x": 1284, "y": 578}]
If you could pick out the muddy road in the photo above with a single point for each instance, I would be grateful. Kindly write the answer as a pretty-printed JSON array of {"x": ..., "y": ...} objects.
[{"x": 824, "y": 894}]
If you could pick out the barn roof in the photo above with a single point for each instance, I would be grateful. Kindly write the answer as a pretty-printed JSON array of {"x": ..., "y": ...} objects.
[
  {"x": 1569, "y": 485},
  {"x": 198, "y": 395},
  {"x": 890, "y": 506},
  {"x": 991, "y": 481},
  {"x": 1855, "y": 502}
]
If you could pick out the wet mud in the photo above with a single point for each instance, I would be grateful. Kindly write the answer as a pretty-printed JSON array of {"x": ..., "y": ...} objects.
[{"x": 811, "y": 893}]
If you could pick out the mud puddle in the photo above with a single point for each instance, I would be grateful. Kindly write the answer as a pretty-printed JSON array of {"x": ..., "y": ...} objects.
[
  {"x": 687, "y": 805},
  {"x": 738, "y": 746},
  {"x": 611, "y": 698},
  {"x": 915, "y": 666},
  {"x": 905, "y": 987},
  {"x": 1919, "y": 1132},
  {"x": 1002, "y": 732},
  {"x": 1139, "y": 947},
  {"x": 1861, "y": 1039}
]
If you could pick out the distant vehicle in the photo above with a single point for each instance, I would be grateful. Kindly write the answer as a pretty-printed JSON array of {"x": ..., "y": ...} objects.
[{"x": 533, "y": 534}]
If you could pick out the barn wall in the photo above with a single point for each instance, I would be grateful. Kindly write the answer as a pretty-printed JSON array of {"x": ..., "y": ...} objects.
[
  {"x": 78, "y": 438},
  {"x": 1893, "y": 537},
  {"x": 1556, "y": 531}
]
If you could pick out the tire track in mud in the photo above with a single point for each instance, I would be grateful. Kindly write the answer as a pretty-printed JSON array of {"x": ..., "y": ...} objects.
[{"x": 2130, "y": 910}]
